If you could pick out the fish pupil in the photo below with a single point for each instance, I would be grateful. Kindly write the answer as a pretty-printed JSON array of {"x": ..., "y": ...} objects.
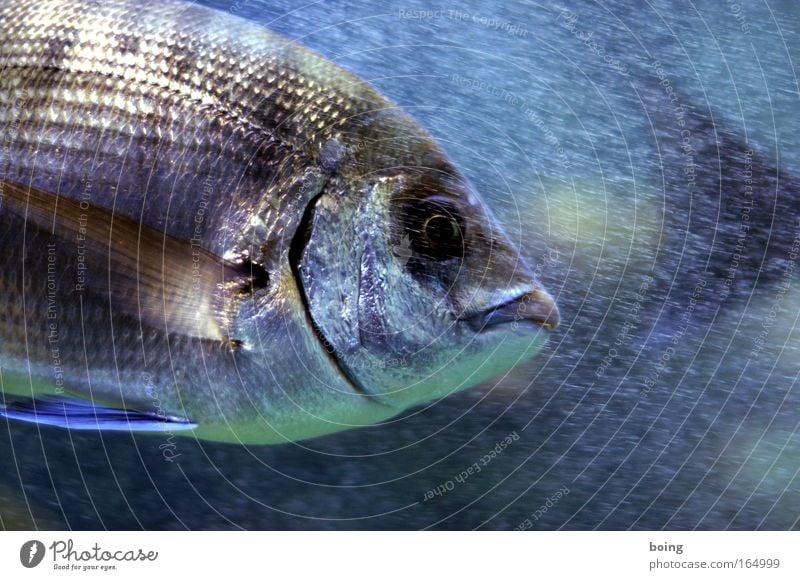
[
  {"x": 442, "y": 230},
  {"x": 437, "y": 232}
]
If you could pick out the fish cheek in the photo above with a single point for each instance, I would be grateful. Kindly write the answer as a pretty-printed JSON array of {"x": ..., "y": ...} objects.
[
  {"x": 373, "y": 330},
  {"x": 391, "y": 305}
]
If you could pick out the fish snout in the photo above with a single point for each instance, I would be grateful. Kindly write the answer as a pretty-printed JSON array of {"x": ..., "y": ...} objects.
[{"x": 536, "y": 306}]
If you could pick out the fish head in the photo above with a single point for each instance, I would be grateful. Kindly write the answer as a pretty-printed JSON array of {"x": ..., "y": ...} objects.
[{"x": 414, "y": 288}]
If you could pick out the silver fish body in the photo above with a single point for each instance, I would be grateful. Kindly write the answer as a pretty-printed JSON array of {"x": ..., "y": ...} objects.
[{"x": 201, "y": 219}]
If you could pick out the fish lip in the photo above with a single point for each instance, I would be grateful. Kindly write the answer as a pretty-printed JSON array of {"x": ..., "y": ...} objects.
[{"x": 536, "y": 307}]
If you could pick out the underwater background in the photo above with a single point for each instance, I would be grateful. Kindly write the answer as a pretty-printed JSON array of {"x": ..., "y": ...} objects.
[{"x": 644, "y": 158}]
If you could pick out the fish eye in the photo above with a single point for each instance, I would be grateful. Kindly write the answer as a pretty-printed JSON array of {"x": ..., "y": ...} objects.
[{"x": 436, "y": 230}]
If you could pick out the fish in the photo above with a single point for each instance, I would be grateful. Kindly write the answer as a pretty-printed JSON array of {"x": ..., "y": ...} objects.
[{"x": 213, "y": 231}]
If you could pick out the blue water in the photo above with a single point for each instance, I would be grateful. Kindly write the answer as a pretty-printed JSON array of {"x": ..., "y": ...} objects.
[{"x": 668, "y": 398}]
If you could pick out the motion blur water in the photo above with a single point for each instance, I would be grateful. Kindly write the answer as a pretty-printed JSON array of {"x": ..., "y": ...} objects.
[{"x": 644, "y": 159}]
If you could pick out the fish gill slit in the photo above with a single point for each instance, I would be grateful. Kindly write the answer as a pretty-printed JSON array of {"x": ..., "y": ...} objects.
[{"x": 296, "y": 248}]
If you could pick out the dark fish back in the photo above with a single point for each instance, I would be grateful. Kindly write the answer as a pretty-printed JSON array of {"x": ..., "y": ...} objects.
[{"x": 183, "y": 117}]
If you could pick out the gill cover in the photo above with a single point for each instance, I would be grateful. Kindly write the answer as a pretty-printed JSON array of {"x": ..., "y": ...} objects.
[{"x": 395, "y": 276}]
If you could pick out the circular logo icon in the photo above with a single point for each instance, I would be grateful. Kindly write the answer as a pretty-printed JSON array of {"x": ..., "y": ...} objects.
[{"x": 31, "y": 553}]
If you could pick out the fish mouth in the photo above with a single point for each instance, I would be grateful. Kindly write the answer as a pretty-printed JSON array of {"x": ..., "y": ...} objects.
[{"x": 537, "y": 307}]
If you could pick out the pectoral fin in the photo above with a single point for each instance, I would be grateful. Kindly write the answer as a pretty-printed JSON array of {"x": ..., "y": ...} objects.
[
  {"x": 83, "y": 415},
  {"x": 167, "y": 283}
]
